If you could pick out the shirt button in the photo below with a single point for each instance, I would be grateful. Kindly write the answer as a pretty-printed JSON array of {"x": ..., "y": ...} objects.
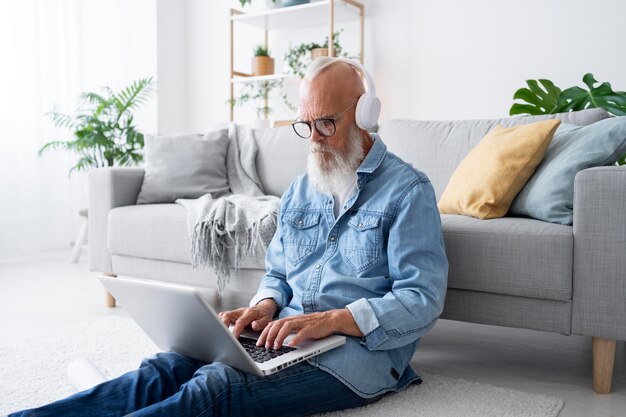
[
  {"x": 300, "y": 222},
  {"x": 332, "y": 238},
  {"x": 318, "y": 266},
  {"x": 329, "y": 202},
  {"x": 360, "y": 225}
]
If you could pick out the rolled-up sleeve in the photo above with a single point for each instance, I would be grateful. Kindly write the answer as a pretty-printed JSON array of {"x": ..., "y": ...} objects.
[{"x": 418, "y": 268}]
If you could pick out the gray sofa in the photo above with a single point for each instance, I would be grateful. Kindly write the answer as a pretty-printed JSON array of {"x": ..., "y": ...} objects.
[{"x": 515, "y": 272}]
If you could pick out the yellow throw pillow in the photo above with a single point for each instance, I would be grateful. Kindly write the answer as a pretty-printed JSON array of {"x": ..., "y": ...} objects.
[{"x": 486, "y": 182}]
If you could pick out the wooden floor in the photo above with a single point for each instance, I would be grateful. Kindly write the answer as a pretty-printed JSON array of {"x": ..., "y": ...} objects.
[{"x": 43, "y": 291}]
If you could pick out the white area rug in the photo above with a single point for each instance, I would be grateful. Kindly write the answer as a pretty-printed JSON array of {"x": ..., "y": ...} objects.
[{"x": 33, "y": 372}]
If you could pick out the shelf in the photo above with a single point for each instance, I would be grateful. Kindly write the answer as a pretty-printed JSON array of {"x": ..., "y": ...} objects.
[
  {"x": 310, "y": 14},
  {"x": 317, "y": 13}
]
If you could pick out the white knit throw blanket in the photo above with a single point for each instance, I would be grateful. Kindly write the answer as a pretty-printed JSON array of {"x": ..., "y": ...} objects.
[{"x": 237, "y": 221}]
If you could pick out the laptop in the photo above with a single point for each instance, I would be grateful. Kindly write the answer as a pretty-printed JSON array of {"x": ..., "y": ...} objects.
[{"x": 180, "y": 318}]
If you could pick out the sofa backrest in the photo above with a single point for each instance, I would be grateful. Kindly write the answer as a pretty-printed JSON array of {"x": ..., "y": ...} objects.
[
  {"x": 281, "y": 157},
  {"x": 433, "y": 147},
  {"x": 438, "y": 147}
]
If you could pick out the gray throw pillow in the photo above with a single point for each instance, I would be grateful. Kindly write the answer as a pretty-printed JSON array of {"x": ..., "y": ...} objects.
[
  {"x": 549, "y": 194},
  {"x": 184, "y": 166}
]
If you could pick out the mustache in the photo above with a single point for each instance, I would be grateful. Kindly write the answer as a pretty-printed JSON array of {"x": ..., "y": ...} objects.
[{"x": 322, "y": 147}]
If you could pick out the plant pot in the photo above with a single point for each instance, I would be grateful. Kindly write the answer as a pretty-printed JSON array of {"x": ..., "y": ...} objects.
[
  {"x": 262, "y": 65},
  {"x": 318, "y": 52}
]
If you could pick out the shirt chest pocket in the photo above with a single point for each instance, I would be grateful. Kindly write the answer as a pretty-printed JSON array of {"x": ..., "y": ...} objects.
[
  {"x": 363, "y": 241},
  {"x": 300, "y": 234}
]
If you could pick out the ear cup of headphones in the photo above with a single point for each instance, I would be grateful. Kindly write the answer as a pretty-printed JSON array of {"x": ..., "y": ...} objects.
[{"x": 367, "y": 111}]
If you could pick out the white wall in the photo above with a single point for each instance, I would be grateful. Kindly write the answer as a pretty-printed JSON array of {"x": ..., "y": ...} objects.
[
  {"x": 445, "y": 59},
  {"x": 470, "y": 57},
  {"x": 172, "y": 63}
]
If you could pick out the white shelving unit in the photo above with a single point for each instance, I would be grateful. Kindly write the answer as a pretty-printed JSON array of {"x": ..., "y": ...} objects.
[{"x": 317, "y": 13}]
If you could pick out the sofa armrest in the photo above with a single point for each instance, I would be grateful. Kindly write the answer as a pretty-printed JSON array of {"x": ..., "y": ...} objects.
[
  {"x": 108, "y": 188},
  {"x": 599, "y": 305}
]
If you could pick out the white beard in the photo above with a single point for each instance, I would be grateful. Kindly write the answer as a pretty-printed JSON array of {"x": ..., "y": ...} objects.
[{"x": 333, "y": 172}]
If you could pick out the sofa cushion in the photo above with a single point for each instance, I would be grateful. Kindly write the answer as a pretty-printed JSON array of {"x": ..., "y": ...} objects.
[
  {"x": 159, "y": 232},
  {"x": 549, "y": 194},
  {"x": 184, "y": 166},
  {"x": 510, "y": 256},
  {"x": 281, "y": 157},
  {"x": 438, "y": 147},
  {"x": 488, "y": 179}
]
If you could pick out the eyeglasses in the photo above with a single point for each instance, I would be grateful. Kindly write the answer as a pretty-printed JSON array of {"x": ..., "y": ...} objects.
[{"x": 325, "y": 127}]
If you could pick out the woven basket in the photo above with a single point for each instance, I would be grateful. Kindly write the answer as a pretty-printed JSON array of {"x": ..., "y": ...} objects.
[{"x": 262, "y": 65}]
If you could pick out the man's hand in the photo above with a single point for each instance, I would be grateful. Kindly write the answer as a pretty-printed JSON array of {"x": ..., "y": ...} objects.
[
  {"x": 258, "y": 316},
  {"x": 309, "y": 326}
]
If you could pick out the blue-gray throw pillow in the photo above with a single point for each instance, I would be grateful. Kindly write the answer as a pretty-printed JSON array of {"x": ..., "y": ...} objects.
[{"x": 549, "y": 194}]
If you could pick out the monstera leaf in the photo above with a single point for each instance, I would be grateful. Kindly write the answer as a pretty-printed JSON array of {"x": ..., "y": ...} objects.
[
  {"x": 603, "y": 96},
  {"x": 550, "y": 99},
  {"x": 540, "y": 100}
]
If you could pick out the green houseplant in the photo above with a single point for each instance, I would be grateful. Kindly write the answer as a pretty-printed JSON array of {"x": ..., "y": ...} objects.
[
  {"x": 103, "y": 130},
  {"x": 298, "y": 57},
  {"x": 543, "y": 97},
  {"x": 262, "y": 63},
  {"x": 257, "y": 93}
]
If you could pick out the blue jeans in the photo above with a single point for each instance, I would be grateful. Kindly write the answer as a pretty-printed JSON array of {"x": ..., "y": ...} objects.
[{"x": 169, "y": 384}]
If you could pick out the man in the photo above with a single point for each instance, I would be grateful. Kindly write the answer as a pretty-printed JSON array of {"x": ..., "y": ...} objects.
[{"x": 358, "y": 251}]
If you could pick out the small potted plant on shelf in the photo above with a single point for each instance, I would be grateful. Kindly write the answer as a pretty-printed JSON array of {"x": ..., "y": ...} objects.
[
  {"x": 298, "y": 57},
  {"x": 262, "y": 63}
]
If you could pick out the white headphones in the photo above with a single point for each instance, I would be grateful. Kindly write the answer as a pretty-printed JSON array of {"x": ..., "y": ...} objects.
[{"x": 368, "y": 106}]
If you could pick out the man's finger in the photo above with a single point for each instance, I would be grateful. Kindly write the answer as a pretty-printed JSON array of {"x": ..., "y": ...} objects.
[
  {"x": 261, "y": 340},
  {"x": 261, "y": 323},
  {"x": 299, "y": 337},
  {"x": 285, "y": 331},
  {"x": 244, "y": 320},
  {"x": 228, "y": 317},
  {"x": 273, "y": 332}
]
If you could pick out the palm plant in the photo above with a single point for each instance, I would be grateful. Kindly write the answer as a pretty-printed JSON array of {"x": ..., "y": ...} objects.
[{"x": 102, "y": 128}]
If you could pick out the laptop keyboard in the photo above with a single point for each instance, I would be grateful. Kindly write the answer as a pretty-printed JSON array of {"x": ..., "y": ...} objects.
[{"x": 259, "y": 353}]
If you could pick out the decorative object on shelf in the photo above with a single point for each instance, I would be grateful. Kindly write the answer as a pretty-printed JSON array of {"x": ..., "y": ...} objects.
[
  {"x": 103, "y": 128},
  {"x": 262, "y": 63},
  {"x": 299, "y": 57},
  {"x": 288, "y": 3},
  {"x": 550, "y": 99}
]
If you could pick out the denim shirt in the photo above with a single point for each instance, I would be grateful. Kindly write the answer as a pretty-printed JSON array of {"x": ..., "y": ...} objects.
[{"x": 383, "y": 258}]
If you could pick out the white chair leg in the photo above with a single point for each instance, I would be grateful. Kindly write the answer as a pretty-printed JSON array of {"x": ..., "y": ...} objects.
[{"x": 80, "y": 242}]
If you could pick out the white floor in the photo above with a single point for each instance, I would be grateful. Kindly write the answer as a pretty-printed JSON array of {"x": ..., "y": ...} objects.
[{"x": 44, "y": 291}]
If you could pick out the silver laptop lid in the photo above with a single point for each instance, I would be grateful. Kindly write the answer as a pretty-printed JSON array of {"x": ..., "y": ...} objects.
[{"x": 179, "y": 318}]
